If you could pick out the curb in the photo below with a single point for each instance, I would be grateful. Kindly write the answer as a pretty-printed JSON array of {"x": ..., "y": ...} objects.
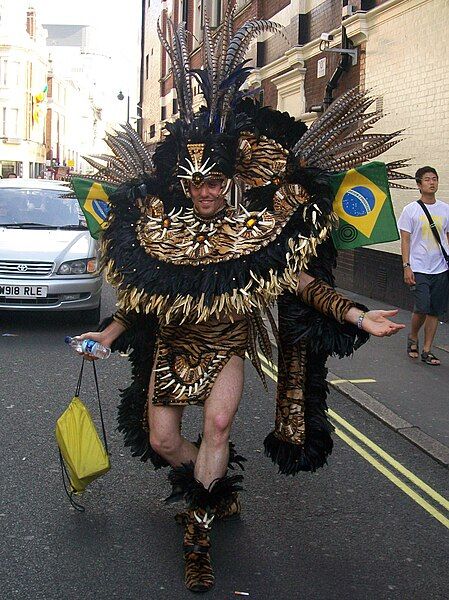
[{"x": 412, "y": 433}]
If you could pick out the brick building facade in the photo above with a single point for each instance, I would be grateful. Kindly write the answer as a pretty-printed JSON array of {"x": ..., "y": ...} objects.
[{"x": 401, "y": 46}]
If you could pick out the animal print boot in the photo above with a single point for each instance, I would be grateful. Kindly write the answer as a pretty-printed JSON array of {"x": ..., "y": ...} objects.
[
  {"x": 202, "y": 507},
  {"x": 229, "y": 508},
  {"x": 198, "y": 572}
]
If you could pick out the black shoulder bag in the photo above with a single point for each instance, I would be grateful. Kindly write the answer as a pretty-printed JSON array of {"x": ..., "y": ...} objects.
[{"x": 436, "y": 235}]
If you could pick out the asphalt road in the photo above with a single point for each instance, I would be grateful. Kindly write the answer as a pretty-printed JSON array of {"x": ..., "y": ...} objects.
[{"x": 349, "y": 531}]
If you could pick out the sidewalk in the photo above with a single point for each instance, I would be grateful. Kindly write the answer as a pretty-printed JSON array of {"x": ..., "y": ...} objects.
[{"x": 408, "y": 395}]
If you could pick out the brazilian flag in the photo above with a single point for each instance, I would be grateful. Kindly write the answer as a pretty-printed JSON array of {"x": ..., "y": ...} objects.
[
  {"x": 93, "y": 198},
  {"x": 363, "y": 204}
]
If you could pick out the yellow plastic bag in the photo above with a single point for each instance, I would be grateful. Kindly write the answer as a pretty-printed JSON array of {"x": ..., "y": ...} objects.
[
  {"x": 83, "y": 455},
  {"x": 81, "y": 448}
]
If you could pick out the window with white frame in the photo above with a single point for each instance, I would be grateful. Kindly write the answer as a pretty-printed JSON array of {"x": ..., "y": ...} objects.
[
  {"x": 214, "y": 10},
  {"x": 197, "y": 23},
  {"x": 3, "y": 72},
  {"x": 9, "y": 73},
  {"x": 13, "y": 76},
  {"x": 10, "y": 128}
]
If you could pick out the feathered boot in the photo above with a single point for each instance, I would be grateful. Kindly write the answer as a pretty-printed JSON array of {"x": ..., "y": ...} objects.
[
  {"x": 202, "y": 506},
  {"x": 231, "y": 506}
]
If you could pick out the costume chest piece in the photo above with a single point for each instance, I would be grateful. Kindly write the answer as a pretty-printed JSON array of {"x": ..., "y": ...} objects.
[{"x": 183, "y": 237}]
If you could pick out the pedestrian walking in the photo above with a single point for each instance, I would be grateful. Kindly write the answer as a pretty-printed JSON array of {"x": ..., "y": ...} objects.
[{"x": 424, "y": 227}]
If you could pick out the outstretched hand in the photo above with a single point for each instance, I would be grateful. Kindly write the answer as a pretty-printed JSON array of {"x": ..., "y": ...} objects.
[{"x": 377, "y": 323}]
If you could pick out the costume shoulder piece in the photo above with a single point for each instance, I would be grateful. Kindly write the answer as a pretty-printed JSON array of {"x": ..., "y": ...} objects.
[
  {"x": 184, "y": 266},
  {"x": 273, "y": 171}
]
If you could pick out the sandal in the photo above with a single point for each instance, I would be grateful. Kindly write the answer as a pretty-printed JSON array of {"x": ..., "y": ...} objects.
[
  {"x": 430, "y": 359},
  {"x": 412, "y": 347}
]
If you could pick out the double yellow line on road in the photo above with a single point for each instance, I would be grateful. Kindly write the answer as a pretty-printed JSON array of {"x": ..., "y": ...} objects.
[{"x": 371, "y": 452}]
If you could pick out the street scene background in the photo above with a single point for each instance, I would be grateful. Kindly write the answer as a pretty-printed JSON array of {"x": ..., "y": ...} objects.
[{"x": 373, "y": 523}]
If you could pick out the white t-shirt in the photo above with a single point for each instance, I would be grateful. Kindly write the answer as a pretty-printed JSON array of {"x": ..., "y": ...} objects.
[{"x": 425, "y": 252}]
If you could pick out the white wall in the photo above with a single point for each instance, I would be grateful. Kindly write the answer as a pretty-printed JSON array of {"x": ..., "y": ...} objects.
[{"x": 407, "y": 56}]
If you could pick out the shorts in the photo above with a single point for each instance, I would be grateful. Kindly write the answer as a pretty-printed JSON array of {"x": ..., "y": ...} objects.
[{"x": 431, "y": 294}]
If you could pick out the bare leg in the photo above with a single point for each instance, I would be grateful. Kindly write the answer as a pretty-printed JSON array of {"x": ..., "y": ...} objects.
[
  {"x": 430, "y": 329},
  {"x": 417, "y": 322},
  {"x": 219, "y": 412},
  {"x": 165, "y": 435}
]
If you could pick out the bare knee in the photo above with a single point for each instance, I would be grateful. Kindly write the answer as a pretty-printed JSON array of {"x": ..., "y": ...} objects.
[
  {"x": 217, "y": 428},
  {"x": 165, "y": 445}
]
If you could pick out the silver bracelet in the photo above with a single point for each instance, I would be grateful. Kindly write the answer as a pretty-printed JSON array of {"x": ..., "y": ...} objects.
[{"x": 360, "y": 319}]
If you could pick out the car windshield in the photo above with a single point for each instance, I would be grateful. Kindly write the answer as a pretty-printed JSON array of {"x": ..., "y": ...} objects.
[{"x": 43, "y": 207}]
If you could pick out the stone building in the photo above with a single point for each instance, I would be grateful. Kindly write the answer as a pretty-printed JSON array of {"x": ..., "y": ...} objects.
[
  {"x": 401, "y": 51},
  {"x": 23, "y": 77},
  {"x": 150, "y": 88}
]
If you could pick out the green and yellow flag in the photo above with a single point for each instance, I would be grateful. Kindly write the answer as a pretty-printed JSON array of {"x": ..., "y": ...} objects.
[
  {"x": 93, "y": 198},
  {"x": 363, "y": 204}
]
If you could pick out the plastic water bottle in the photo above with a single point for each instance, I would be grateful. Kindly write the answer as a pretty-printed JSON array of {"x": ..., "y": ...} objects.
[{"x": 88, "y": 347}]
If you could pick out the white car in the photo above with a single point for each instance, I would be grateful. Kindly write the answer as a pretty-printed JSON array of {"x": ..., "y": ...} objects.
[{"x": 48, "y": 259}]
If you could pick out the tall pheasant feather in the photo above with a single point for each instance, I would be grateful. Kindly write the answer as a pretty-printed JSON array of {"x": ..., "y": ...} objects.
[{"x": 337, "y": 141}]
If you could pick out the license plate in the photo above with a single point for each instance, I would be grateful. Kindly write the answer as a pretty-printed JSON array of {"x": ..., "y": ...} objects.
[{"x": 23, "y": 291}]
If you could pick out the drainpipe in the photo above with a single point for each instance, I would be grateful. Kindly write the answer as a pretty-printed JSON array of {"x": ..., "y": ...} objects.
[{"x": 343, "y": 67}]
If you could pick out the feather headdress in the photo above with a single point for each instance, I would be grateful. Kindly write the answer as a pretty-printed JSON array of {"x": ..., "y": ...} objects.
[{"x": 224, "y": 70}]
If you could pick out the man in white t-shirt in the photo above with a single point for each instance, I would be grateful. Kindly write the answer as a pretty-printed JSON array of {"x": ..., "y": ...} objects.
[{"x": 425, "y": 267}]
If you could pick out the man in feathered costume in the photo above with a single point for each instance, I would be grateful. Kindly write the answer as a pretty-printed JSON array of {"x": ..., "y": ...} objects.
[{"x": 194, "y": 275}]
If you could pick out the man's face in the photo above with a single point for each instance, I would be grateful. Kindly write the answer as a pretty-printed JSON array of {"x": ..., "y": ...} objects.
[
  {"x": 429, "y": 183},
  {"x": 208, "y": 198}
]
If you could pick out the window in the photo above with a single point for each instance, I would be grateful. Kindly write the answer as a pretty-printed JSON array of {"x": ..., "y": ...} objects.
[
  {"x": 3, "y": 72},
  {"x": 147, "y": 65},
  {"x": 10, "y": 122},
  {"x": 163, "y": 113},
  {"x": 214, "y": 8},
  {"x": 13, "y": 75},
  {"x": 185, "y": 10},
  {"x": 152, "y": 131},
  {"x": 174, "y": 106},
  {"x": 197, "y": 24}
]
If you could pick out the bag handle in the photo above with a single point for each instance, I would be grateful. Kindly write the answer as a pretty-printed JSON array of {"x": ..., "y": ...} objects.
[
  {"x": 65, "y": 475},
  {"x": 77, "y": 392},
  {"x": 434, "y": 229}
]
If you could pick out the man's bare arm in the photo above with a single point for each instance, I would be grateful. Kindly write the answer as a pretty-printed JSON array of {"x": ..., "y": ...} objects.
[{"x": 409, "y": 276}]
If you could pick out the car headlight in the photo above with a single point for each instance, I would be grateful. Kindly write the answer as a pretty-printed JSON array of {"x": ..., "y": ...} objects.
[{"x": 79, "y": 267}]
